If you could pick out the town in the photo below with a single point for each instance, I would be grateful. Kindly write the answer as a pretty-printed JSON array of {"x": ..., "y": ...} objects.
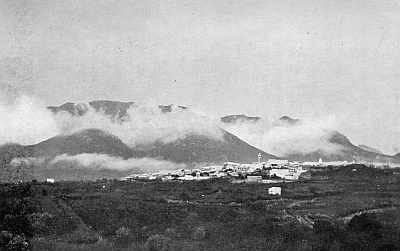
[{"x": 271, "y": 171}]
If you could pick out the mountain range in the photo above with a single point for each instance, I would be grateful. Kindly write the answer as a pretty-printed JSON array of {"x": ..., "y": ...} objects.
[
  {"x": 344, "y": 149},
  {"x": 190, "y": 147}
]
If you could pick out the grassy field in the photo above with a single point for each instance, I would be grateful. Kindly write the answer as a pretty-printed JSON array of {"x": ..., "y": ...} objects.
[{"x": 351, "y": 208}]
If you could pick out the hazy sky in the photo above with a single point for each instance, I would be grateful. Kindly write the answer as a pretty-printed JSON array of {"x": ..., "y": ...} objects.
[{"x": 305, "y": 59}]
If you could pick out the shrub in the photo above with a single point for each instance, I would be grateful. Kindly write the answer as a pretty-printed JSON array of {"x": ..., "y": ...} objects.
[
  {"x": 40, "y": 221},
  {"x": 122, "y": 231},
  {"x": 17, "y": 224},
  {"x": 199, "y": 233},
  {"x": 364, "y": 232},
  {"x": 8, "y": 241},
  {"x": 158, "y": 243},
  {"x": 365, "y": 223}
]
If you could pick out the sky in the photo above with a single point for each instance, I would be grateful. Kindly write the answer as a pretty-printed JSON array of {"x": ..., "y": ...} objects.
[{"x": 310, "y": 59}]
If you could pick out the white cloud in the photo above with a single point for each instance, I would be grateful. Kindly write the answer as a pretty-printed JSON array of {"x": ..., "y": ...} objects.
[
  {"x": 143, "y": 125},
  {"x": 102, "y": 161},
  {"x": 26, "y": 121},
  {"x": 280, "y": 139},
  {"x": 27, "y": 161}
]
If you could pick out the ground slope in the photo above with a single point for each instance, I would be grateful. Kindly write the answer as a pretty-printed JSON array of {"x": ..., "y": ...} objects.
[{"x": 201, "y": 149}]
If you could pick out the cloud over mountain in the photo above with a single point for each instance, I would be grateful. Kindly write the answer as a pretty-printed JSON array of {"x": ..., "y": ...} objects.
[
  {"x": 26, "y": 121},
  {"x": 286, "y": 136},
  {"x": 141, "y": 126}
]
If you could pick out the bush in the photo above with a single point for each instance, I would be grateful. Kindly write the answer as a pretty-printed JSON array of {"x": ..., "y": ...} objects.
[
  {"x": 364, "y": 233},
  {"x": 40, "y": 222},
  {"x": 158, "y": 243},
  {"x": 8, "y": 241},
  {"x": 122, "y": 231},
  {"x": 199, "y": 233},
  {"x": 365, "y": 223}
]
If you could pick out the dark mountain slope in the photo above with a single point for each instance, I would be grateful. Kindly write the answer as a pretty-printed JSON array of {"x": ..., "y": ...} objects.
[
  {"x": 201, "y": 149},
  {"x": 8, "y": 152},
  {"x": 346, "y": 151},
  {"x": 342, "y": 148},
  {"x": 370, "y": 149},
  {"x": 192, "y": 149},
  {"x": 86, "y": 141}
]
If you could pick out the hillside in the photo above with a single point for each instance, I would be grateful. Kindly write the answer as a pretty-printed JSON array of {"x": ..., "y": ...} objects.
[
  {"x": 370, "y": 149},
  {"x": 302, "y": 141},
  {"x": 347, "y": 151},
  {"x": 86, "y": 141},
  {"x": 201, "y": 149},
  {"x": 93, "y": 154},
  {"x": 190, "y": 150},
  {"x": 8, "y": 152}
]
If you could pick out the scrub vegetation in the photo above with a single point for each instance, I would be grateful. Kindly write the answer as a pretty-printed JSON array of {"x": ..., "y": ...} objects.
[{"x": 346, "y": 208}]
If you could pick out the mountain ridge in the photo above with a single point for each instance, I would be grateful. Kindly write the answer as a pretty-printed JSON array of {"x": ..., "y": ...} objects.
[
  {"x": 370, "y": 149},
  {"x": 345, "y": 149}
]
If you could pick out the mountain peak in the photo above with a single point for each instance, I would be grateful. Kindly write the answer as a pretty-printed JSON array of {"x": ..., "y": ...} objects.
[
  {"x": 165, "y": 108},
  {"x": 168, "y": 108},
  {"x": 108, "y": 107},
  {"x": 288, "y": 120},
  {"x": 112, "y": 108},
  {"x": 340, "y": 139},
  {"x": 74, "y": 109},
  {"x": 238, "y": 118}
]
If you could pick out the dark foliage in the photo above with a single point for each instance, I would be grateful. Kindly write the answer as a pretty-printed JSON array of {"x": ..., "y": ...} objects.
[{"x": 15, "y": 207}]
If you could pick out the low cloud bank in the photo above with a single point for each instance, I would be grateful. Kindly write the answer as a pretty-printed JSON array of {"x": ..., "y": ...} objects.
[
  {"x": 102, "y": 161},
  {"x": 29, "y": 161},
  {"x": 94, "y": 162},
  {"x": 280, "y": 138}
]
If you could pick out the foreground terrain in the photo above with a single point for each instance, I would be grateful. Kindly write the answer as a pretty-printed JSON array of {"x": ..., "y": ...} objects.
[{"x": 347, "y": 208}]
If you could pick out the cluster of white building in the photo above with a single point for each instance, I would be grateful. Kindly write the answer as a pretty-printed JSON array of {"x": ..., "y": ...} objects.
[
  {"x": 272, "y": 169},
  {"x": 320, "y": 163}
]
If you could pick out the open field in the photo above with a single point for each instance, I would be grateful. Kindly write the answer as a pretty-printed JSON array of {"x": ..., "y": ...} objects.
[{"x": 321, "y": 213}]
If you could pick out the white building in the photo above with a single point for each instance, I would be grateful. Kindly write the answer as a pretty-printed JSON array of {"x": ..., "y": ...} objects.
[
  {"x": 275, "y": 190},
  {"x": 255, "y": 179},
  {"x": 231, "y": 165},
  {"x": 50, "y": 180},
  {"x": 242, "y": 168},
  {"x": 311, "y": 163},
  {"x": 292, "y": 176},
  {"x": 186, "y": 172},
  {"x": 335, "y": 163},
  {"x": 279, "y": 172},
  {"x": 276, "y": 163}
]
